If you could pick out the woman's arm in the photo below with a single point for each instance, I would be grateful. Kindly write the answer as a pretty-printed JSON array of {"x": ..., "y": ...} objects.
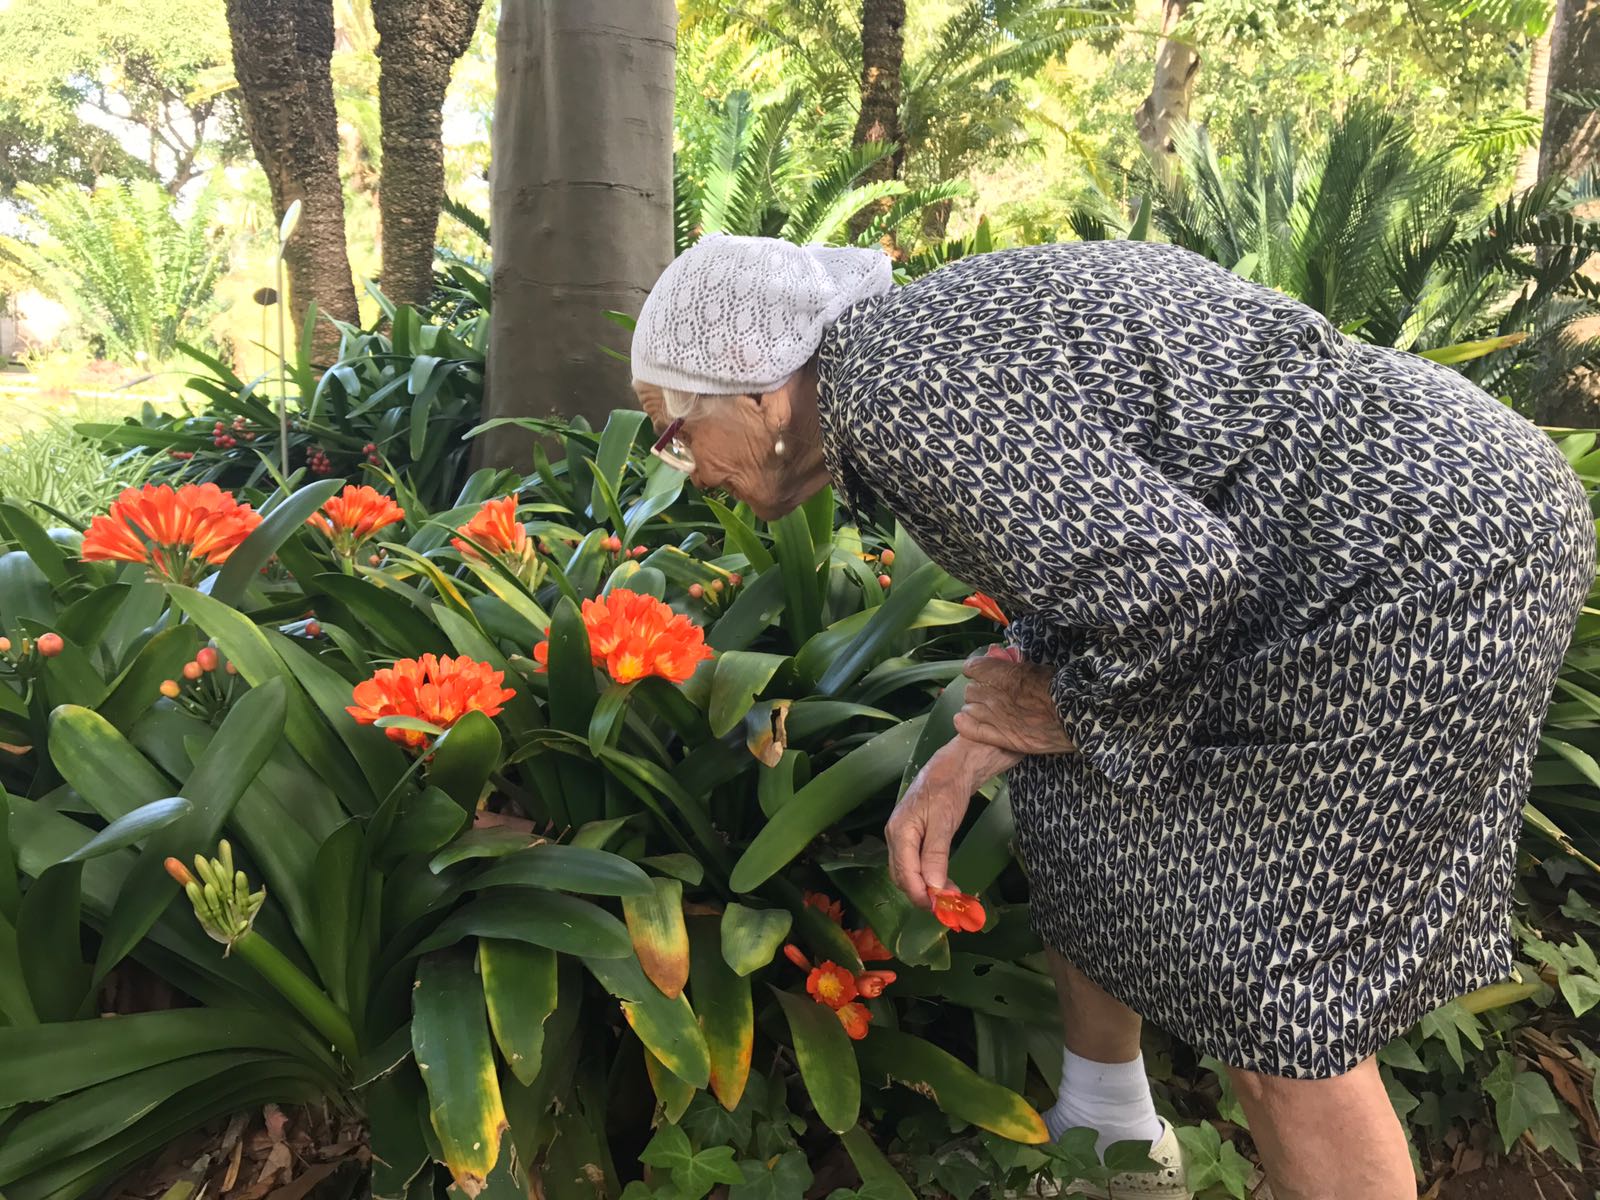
[{"x": 925, "y": 821}]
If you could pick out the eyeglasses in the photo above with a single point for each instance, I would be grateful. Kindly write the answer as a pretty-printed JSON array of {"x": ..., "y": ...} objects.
[{"x": 670, "y": 448}]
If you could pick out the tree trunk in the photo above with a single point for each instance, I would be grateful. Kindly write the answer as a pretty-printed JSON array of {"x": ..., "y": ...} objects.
[
  {"x": 1538, "y": 82},
  {"x": 1570, "y": 146},
  {"x": 882, "y": 49},
  {"x": 581, "y": 203},
  {"x": 281, "y": 54},
  {"x": 1167, "y": 105},
  {"x": 418, "y": 44}
]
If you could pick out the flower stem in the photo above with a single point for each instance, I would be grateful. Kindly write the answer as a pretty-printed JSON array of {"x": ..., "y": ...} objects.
[{"x": 308, "y": 999}]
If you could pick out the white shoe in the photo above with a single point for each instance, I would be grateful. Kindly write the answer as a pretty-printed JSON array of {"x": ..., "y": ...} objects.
[{"x": 1164, "y": 1183}]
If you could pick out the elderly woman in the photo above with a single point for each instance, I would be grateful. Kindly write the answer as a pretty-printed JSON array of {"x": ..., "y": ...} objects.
[{"x": 1287, "y": 610}]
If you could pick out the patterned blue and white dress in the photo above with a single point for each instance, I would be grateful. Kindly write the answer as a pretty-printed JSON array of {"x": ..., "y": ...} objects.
[{"x": 1305, "y": 600}]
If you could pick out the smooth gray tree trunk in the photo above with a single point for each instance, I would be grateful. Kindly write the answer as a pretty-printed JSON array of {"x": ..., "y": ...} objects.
[{"x": 581, "y": 203}]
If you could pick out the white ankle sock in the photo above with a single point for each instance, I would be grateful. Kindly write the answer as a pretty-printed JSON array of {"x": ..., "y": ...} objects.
[{"x": 1111, "y": 1098}]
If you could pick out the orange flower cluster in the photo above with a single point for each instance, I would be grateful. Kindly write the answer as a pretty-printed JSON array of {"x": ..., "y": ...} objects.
[
  {"x": 354, "y": 515},
  {"x": 439, "y": 691},
  {"x": 837, "y": 987},
  {"x": 495, "y": 529},
  {"x": 178, "y": 534},
  {"x": 634, "y": 636},
  {"x": 957, "y": 910},
  {"x": 868, "y": 947},
  {"x": 987, "y": 606}
]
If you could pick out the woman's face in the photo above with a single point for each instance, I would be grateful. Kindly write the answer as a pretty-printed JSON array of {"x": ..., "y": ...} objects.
[{"x": 732, "y": 445}]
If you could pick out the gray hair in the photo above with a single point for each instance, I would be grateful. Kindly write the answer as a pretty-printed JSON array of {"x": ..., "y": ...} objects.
[{"x": 684, "y": 404}]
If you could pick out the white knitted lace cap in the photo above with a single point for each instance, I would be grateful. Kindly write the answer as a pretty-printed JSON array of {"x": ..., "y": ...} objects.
[{"x": 736, "y": 315}]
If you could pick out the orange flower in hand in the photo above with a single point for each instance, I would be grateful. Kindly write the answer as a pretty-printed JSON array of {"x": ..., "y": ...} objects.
[
  {"x": 827, "y": 906},
  {"x": 635, "y": 636},
  {"x": 867, "y": 945},
  {"x": 871, "y": 983},
  {"x": 956, "y": 909},
  {"x": 178, "y": 534},
  {"x": 832, "y": 985},
  {"x": 439, "y": 691},
  {"x": 855, "y": 1018},
  {"x": 354, "y": 515},
  {"x": 987, "y": 606}
]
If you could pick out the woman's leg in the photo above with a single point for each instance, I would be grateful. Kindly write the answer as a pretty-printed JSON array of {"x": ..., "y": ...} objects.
[
  {"x": 1103, "y": 1082},
  {"x": 1327, "y": 1139},
  {"x": 1095, "y": 1024}
]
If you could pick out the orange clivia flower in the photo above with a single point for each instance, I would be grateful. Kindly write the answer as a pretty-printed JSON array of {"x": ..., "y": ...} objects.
[
  {"x": 956, "y": 909},
  {"x": 495, "y": 531},
  {"x": 832, "y": 985},
  {"x": 987, "y": 606},
  {"x": 178, "y": 534},
  {"x": 634, "y": 635},
  {"x": 827, "y": 906},
  {"x": 438, "y": 690},
  {"x": 179, "y": 872},
  {"x": 354, "y": 515},
  {"x": 871, "y": 983},
  {"x": 868, "y": 947},
  {"x": 797, "y": 956},
  {"x": 855, "y": 1018}
]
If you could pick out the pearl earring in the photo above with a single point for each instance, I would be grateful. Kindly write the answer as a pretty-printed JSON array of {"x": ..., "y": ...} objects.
[{"x": 777, "y": 446}]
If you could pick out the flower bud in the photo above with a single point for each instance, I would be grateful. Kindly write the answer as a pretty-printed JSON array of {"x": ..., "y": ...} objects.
[
  {"x": 50, "y": 644},
  {"x": 696, "y": 591},
  {"x": 191, "y": 671},
  {"x": 887, "y": 558},
  {"x": 170, "y": 688},
  {"x": 884, "y": 581},
  {"x": 313, "y": 629},
  {"x": 5, "y": 645},
  {"x": 179, "y": 872},
  {"x": 735, "y": 579},
  {"x": 207, "y": 657},
  {"x": 230, "y": 668}
]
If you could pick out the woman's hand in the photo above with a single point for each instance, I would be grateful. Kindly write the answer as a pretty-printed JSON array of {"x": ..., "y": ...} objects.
[
  {"x": 1008, "y": 705},
  {"x": 928, "y": 815}
]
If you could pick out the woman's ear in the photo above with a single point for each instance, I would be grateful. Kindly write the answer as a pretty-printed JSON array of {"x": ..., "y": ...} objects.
[
  {"x": 777, "y": 408},
  {"x": 653, "y": 401}
]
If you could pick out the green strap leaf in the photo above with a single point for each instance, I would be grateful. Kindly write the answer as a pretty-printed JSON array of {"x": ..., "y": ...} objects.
[
  {"x": 464, "y": 758},
  {"x": 738, "y": 679},
  {"x": 557, "y": 867},
  {"x": 539, "y": 918},
  {"x": 751, "y": 936},
  {"x": 955, "y": 1087},
  {"x": 660, "y": 938},
  {"x": 888, "y": 622},
  {"x": 823, "y": 802},
  {"x": 450, "y": 1035},
  {"x": 132, "y": 828},
  {"x": 277, "y": 527},
  {"x": 827, "y": 1062},
  {"x": 519, "y": 983},
  {"x": 727, "y": 1013},
  {"x": 667, "y": 1026}
]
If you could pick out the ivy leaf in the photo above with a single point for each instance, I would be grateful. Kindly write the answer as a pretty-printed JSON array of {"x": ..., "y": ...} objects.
[
  {"x": 1012, "y": 1156},
  {"x": 1234, "y": 1171},
  {"x": 1073, "y": 1157},
  {"x": 1582, "y": 992},
  {"x": 1401, "y": 1055},
  {"x": 712, "y": 1125},
  {"x": 1581, "y": 955},
  {"x": 693, "y": 1173},
  {"x": 785, "y": 1177},
  {"x": 1520, "y": 1097},
  {"x": 1401, "y": 1097},
  {"x": 1579, "y": 909},
  {"x": 1202, "y": 1154},
  {"x": 960, "y": 1173},
  {"x": 1129, "y": 1156},
  {"x": 1449, "y": 1023}
]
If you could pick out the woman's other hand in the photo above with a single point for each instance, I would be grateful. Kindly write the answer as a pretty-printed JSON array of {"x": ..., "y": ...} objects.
[
  {"x": 928, "y": 815},
  {"x": 1008, "y": 705}
]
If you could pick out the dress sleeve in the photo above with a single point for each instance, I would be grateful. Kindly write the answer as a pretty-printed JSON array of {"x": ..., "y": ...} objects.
[{"x": 1085, "y": 537}]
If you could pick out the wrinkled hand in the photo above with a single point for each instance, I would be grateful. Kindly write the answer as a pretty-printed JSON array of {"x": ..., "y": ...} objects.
[
  {"x": 1008, "y": 705},
  {"x": 928, "y": 815}
]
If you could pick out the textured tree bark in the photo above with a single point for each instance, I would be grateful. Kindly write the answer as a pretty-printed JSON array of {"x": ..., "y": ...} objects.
[
  {"x": 581, "y": 203},
  {"x": 1538, "y": 82},
  {"x": 1571, "y": 145},
  {"x": 1171, "y": 92},
  {"x": 882, "y": 50},
  {"x": 281, "y": 55},
  {"x": 418, "y": 44}
]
